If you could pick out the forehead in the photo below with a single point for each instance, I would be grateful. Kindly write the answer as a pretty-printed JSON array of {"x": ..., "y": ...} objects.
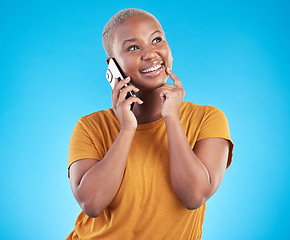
[{"x": 136, "y": 27}]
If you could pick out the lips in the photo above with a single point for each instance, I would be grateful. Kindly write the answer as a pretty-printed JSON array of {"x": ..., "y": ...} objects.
[{"x": 151, "y": 68}]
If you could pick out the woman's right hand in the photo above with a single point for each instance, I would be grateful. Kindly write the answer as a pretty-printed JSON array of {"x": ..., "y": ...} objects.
[{"x": 121, "y": 106}]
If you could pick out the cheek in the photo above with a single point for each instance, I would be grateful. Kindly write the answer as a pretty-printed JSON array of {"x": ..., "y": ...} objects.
[
  {"x": 128, "y": 67},
  {"x": 170, "y": 62},
  {"x": 168, "y": 58},
  {"x": 125, "y": 62}
]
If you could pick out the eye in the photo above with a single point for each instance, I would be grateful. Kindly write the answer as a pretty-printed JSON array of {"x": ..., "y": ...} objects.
[
  {"x": 132, "y": 48},
  {"x": 157, "y": 40}
]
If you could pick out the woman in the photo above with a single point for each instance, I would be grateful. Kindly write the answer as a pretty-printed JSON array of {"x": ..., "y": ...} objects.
[{"x": 146, "y": 173}]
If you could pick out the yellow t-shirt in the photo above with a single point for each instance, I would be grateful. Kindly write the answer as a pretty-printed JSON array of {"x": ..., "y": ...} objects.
[{"x": 146, "y": 206}]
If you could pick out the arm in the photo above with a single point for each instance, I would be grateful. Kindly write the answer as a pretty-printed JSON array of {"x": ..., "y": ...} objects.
[
  {"x": 195, "y": 173},
  {"x": 95, "y": 183}
]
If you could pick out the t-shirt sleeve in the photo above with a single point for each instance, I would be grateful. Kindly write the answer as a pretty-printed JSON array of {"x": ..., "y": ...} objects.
[
  {"x": 82, "y": 145},
  {"x": 215, "y": 124}
]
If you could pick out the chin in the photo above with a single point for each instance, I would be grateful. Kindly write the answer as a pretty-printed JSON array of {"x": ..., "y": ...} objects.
[{"x": 155, "y": 84}]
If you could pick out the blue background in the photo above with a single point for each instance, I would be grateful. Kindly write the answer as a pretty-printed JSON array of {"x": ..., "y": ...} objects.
[{"x": 230, "y": 54}]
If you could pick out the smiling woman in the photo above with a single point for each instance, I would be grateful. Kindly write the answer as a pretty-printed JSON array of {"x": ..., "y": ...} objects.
[
  {"x": 146, "y": 173},
  {"x": 141, "y": 49}
]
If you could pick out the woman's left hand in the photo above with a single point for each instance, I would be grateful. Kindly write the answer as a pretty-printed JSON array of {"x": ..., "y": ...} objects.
[{"x": 171, "y": 96}]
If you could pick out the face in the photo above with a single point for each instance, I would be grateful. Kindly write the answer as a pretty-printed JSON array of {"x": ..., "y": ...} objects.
[{"x": 140, "y": 48}]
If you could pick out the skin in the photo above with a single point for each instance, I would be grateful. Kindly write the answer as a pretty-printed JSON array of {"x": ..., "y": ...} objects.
[{"x": 139, "y": 43}]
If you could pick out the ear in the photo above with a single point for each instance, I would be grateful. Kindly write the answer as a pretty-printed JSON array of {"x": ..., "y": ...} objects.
[{"x": 108, "y": 60}]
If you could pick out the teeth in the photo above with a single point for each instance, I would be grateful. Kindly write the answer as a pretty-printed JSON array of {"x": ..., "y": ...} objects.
[{"x": 152, "y": 69}]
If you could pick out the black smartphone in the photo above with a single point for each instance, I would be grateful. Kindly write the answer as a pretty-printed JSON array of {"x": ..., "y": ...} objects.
[{"x": 114, "y": 71}]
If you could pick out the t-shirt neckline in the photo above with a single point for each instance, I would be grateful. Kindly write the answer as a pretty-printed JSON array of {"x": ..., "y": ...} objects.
[{"x": 139, "y": 126}]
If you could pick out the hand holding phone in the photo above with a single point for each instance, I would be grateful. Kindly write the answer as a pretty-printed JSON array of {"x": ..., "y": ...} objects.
[{"x": 114, "y": 71}]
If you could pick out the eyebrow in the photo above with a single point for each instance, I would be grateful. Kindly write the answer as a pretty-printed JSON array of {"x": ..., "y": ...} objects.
[
  {"x": 134, "y": 39},
  {"x": 129, "y": 40},
  {"x": 157, "y": 31}
]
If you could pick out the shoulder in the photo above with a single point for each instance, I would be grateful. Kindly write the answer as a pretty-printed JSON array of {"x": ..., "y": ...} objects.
[
  {"x": 205, "y": 118},
  {"x": 102, "y": 117},
  {"x": 199, "y": 111}
]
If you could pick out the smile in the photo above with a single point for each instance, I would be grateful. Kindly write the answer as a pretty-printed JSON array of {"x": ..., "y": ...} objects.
[{"x": 152, "y": 69}]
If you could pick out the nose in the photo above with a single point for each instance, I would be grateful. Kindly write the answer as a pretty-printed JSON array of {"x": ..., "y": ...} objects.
[{"x": 148, "y": 53}]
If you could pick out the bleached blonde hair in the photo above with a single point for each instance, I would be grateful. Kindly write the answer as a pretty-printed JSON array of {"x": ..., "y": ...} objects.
[{"x": 108, "y": 32}]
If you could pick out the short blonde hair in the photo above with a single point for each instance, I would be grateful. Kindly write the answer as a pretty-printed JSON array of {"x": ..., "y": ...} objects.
[{"x": 110, "y": 26}]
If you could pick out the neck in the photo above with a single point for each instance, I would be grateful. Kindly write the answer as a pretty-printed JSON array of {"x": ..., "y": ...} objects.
[{"x": 150, "y": 110}]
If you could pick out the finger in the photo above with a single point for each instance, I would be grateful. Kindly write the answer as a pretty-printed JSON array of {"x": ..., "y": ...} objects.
[
  {"x": 128, "y": 103},
  {"x": 118, "y": 86},
  {"x": 175, "y": 79},
  {"x": 125, "y": 90},
  {"x": 167, "y": 87},
  {"x": 162, "y": 97},
  {"x": 131, "y": 100}
]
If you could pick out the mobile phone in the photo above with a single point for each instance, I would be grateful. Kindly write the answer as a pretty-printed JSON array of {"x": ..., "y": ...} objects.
[{"x": 114, "y": 71}]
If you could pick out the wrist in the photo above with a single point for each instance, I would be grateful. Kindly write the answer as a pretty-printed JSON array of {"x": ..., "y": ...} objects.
[
  {"x": 128, "y": 131},
  {"x": 171, "y": 119}
]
